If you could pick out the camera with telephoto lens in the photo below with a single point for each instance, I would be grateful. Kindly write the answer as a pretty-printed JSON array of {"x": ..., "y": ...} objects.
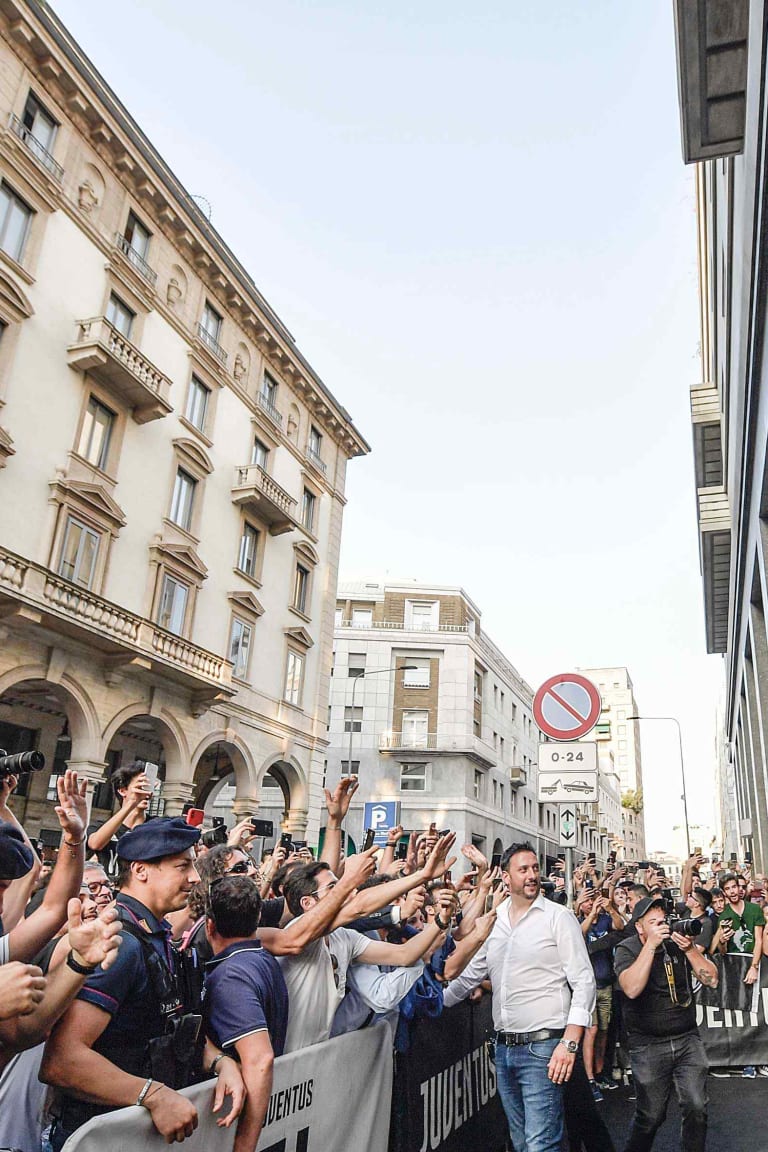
[
  {"x": 20, "y": 762},
  {"x": 690, "y": 927}
]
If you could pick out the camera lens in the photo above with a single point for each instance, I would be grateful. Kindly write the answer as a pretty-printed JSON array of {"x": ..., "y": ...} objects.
[
  {"x": 21, "y": 762},
  {"x": 690, "y": 927}
]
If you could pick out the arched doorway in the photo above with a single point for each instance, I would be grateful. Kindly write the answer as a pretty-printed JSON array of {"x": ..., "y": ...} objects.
[{"x": 135, "y": 735}]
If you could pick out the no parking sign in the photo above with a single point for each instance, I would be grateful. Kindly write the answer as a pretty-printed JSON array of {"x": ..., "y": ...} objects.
[{"x": 381, "y": 815}]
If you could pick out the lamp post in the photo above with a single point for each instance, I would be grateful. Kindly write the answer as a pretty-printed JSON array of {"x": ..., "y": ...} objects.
[
  {"x": 373, "y": 672},
  {"x": 684, "y": 797}
]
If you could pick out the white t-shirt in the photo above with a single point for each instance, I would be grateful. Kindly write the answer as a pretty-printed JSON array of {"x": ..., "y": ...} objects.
[
  {"x": 5, "y": 949},
  {"x": 316, "y": 981}
]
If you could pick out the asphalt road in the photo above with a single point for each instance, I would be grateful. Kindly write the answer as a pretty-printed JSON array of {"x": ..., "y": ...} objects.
[{"x": 736, "y": 1117}]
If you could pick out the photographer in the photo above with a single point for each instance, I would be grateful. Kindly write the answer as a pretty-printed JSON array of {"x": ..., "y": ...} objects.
[
  {"x": 654, "y": 970},
  {"x": 132, "y": 788}
]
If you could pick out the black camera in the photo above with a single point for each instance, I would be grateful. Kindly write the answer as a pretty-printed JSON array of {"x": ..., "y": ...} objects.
[
  {"x": 691, "y": 927},
  {"x": 21, "y": 762}
]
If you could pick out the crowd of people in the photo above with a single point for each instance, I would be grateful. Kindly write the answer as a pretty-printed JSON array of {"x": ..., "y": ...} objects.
[{"x": 146, "y": 959}]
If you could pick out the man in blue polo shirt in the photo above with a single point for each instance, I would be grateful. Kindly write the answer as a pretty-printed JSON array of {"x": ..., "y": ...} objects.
[{"x": 246, "y": 1000}]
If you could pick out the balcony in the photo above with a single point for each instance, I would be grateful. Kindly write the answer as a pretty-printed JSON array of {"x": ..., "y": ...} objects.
[
  {"x": 31, "y": 592},
  {"x": 104, "y": 352},
  {"x": 267, "y": 406},
  {"x": 439, "y": 743},
  {"x": 316, "y": 460},
  {"x": 715, "y": 552},
  {"x": 253, "y": 488},
  {"x": 41, "y": 154},
  {"x": 123, "y": 244},
  {"x": 518, "y": 775},
  {"x": 209, "y": 341},
  {"x": 399, "y": 626}
]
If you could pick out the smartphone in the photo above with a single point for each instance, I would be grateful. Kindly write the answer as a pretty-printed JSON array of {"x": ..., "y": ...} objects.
[
  {"x": 150, "y": 771},
  {"x": 612, "y": 857},
  {"x": 643, "y": 864},
  {"x": 286, "y": 841},
  {"x": 194, "y": 817},
  {"x": 488, "y": 903},
  {"x": 496, "y": 860},
  {"x": 747, "y": 857},
  {"x": 369, "y": 838},
  {"x": 213, "y": 836},
  {"x": 589, "y": 883},
  {"x": 445, "y": 832},
  {"x": 592, "y": 859},
  {"x": 217, "y": 820},
  {"x": 447, "y": 877},
  {"x": 263, "y": 828},
  {"x": 401, "y": 851}
]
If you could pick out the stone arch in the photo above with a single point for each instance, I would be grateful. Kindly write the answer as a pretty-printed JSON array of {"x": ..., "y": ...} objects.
[
  {"x": 291, "y": 777},
  {"x": 239, "y": 758},
  {"x": 78, "y": 706},
  {"x": 171, "y": 736},
  {"x": 498, "y": 847}
]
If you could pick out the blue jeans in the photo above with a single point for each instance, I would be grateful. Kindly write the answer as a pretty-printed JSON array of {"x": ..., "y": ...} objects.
[
  {"x": 532, "y": 1103},
  {"x": 657, "y": 1068}
]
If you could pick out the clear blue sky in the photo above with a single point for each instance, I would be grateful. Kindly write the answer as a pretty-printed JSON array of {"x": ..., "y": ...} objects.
[{"x": 477, "y": 224}]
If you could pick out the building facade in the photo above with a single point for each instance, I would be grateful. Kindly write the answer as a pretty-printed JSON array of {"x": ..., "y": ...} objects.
[
  {"x": 440, "y": 720},
  {"x": 173, "y": 469},
  {"x": 618, "y": 738},
  {"x": 722, "y": 61}
]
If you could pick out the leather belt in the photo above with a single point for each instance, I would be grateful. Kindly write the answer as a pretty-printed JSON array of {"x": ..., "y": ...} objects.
[{"x": 513, "y": 1039}]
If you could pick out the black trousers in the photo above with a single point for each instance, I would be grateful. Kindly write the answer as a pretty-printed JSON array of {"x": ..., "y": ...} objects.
[{"x": 657, "y": 1068}]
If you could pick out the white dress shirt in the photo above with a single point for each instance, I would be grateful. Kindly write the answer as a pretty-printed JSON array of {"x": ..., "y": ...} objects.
[{"x": 531, "y": 967}]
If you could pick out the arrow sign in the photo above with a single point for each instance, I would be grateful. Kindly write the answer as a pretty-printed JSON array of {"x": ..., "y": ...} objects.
[{"x": 567, "y": 826}]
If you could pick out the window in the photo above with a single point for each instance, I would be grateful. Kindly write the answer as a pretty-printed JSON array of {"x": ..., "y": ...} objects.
[
  {"x": 137, "y": 236},
  {"x": 240, "y": 647},
  {"x": 308, "y": 502},
  {"x": 173, "y": 605},
  {"x": 315, "y": 440},
  {"x": 415, "y": 726},
  {"x": 96, "y": 433},
  {"x": 269, "y": 390},
  {"x": 301, "y": 589},
  {"x": 78, "y": 553},
  {"x": 495, "y": 787},
  {"x": 354, "y": 770},
  {"x": 293, "y": 674},
  {"x": 477, "y": 785},
  {"x": 197, "y": 403},
  {"x": 183, "y": 499},
  {"x": 211, "y": 322},
  {"x": 249, "y": 545},
  {"x": 512, "y": 801},
  {"x": 422, "y": 616},
  {"x": 413, "y": 777},
  {"x": 338, "y": 618},
  {"x": 501, "y": 749},
  {"x": 15, "y": 218},
  {"x": 120, "y": 316},
  {"x": 356, "y": 664},
  {"x": 260, "y": 454},
  {"x": 39, "y": 123},
  {"x": 353, "y": 719},
  {"x": 416, "y": 674},
  {"x": 501, "y": 701},
  {"x": 479, "y": 687},
  {"x": 362, "y": 617}
]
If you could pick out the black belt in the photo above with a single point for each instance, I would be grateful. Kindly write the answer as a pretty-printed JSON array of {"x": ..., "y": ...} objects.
[{"x": 512, "y": 1039}]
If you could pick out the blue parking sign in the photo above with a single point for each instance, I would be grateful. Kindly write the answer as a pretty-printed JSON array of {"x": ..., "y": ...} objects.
[{"x": 381, "y": 815}]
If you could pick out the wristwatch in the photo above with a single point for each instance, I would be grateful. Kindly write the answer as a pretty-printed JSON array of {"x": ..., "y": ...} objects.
[{"x": 571, "y": 1046}]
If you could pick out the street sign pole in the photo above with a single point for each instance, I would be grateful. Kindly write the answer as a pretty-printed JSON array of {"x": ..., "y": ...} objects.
[
  {"x": 567, "y": 821},
  {"x": 569, "y": 875}
]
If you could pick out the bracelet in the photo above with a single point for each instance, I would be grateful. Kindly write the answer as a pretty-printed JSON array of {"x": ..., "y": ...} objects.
[
  {"x": 73, "y": 845},
  {"x": 215, "y": 1062},
  {"x": 81, "y": 969},
  {"x": 143, "y": 1093}
]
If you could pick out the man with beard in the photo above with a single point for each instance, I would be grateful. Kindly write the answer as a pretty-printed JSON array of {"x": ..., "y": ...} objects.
[{"x": 543, "y": 999}]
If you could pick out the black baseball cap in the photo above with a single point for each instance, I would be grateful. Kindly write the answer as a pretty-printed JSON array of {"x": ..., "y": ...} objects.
[{"x": 644, "y": 906}]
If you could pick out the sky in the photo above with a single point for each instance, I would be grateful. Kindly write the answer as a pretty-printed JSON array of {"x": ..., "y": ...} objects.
[{"x": 478, "y": 227}]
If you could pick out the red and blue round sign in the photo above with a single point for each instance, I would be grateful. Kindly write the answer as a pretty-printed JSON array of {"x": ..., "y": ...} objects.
[{"x": 567, "y": 706}]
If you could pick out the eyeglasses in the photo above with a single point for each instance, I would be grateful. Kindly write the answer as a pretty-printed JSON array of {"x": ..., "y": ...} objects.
[
  {"x": 97, "y": 886},
  {"x": 239, "y": 869},
  {"x": 325, "y": 888}
]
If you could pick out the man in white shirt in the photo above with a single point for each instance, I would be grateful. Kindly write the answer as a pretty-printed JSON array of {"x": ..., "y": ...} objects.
[{"x": 543, "y": 999}]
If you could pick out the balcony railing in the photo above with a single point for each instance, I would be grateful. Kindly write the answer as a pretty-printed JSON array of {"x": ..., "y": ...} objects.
[
  {"x": 255, "y": 487},
  {"x": 465, "y": 744},
  {"x": 134, "y": 258},
  {"x": 100, "y": 349},
  {"x": 211, "y": 343},
  {"x": 267, "y": 406},
  {"x": 399, "y": 626},
  {"x": 316, "y": 460},
  {"x": 121, "y": 636},
  {"x": 41, "y": 154}
]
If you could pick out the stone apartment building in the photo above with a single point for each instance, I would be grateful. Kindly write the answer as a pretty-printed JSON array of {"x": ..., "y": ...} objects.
[
  {"x": 439, "y": 719},
  {"x": 172, "y": 468}
]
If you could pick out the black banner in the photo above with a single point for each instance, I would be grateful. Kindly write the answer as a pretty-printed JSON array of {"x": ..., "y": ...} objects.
[
  {"x": 444, "y": 1097},
  {"x": 732, "y": 1018}
]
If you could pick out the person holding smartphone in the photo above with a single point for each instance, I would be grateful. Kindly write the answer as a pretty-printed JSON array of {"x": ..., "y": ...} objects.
[{"x": 133, "y": 785}]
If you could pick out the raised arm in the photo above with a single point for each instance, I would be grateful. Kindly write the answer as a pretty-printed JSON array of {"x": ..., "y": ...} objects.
[
  {"x": 371, "y": 899},
  {"x": 337, "y": 804}
]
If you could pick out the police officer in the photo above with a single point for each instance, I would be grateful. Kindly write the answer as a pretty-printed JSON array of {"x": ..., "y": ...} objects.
[{"x": 126, "y": 1038}]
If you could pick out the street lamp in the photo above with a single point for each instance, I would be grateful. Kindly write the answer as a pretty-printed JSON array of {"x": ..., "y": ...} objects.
[
  {"x": 684, "y": 798},
  {"x": 373, "y": 672}
]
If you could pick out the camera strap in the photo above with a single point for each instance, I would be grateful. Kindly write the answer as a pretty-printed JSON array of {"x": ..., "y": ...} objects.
[{"x": 669, "y": 970}]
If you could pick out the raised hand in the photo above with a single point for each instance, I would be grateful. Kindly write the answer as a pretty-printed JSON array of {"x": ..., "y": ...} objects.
[
  {"x": 358, "y": 868},
  {"x": 94, "y": 942},
  {"x": 72, "y": 809},
  {"x": 337, "y": 802},
  {"x": 475, "y": 857},
  {"x": 436, "y": 863}
]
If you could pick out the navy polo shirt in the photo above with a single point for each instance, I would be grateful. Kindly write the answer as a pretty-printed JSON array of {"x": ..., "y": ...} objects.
[
  {"x": 245, "y": 992},
  {"x": 124, "y": 990}
]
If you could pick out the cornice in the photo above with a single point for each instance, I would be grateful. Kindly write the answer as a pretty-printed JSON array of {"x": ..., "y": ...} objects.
[{"x": 47, "y": 49}]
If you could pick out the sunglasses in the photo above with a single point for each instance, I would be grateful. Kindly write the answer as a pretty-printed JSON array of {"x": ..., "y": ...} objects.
[{"x": 239, "y": 869}]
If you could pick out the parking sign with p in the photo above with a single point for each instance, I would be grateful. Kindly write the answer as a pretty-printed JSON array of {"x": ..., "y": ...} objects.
[{"x": 381, "y": 815}]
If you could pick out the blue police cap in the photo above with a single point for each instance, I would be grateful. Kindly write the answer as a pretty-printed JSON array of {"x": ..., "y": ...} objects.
[
  {"x": 164, "y": 836},
  {"x": 16, "y": 857}
]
